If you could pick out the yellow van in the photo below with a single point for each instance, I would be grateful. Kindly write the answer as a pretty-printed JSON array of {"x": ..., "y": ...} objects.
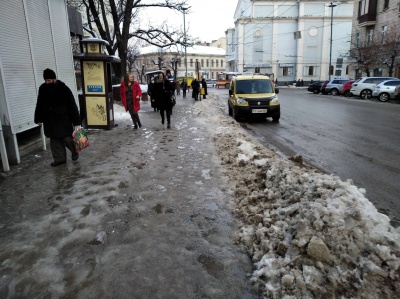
[
  {"x": 253, "y": 96},
  {"x": 189, "y": 80}
]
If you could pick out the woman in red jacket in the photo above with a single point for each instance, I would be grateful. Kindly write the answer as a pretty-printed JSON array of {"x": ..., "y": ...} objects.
[{"x": 130, "y": 94}]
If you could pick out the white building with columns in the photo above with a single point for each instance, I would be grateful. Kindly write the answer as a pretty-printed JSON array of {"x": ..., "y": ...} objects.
[{"x": 291, "y": 39}]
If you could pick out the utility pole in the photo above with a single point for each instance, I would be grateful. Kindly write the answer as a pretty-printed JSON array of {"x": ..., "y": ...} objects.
[{"x": 330, "y": 48}]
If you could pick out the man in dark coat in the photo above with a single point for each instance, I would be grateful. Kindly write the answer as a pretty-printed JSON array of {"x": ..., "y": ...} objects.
[
  {"x": 204, "y": 86},
  {"x": 162, "y": 91},
  {"x": 56, "y": 109}
]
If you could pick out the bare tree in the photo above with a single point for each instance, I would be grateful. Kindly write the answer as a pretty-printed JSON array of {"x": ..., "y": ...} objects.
[
  {"x": 390, "y": 48},
  {"x": 364, "y": 52},
  {"x": 132, "y": 54},
  {"x": 114, "y": 21}
]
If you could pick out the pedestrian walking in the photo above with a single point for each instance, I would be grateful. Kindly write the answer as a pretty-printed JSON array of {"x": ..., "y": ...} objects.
[
  {"x": 204, "y": 86},
  {"x": 162, "y": 92},
  {"x": 195, "y": 89},
  {"x": 57, "y": 111},
  {"x": 150, "y": 92},
  {"x": 130, "y": 93},
  {"x": 184, "y": 87},
  {"x": 178, "y": 88}
]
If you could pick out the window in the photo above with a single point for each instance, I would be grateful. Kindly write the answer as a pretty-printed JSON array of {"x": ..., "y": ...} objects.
[
  {"x": 216, "y": 62},
  {"x": 370, "y": 36},
  {"x": 311, "y": 70},
  {"x": 212, "y": 62},
  {"x": 347, "y": 70},
  {"x": 285, "y": 71},
  {"x": 338, "y": 72},
  {"x": 222, "y": 63},
  {"x": 331, "y": 70},
  {"x": 358, "y": 39},
  {"x": 257, "y": 70},
  {"x": 202, "y": 63},
  {"x": 383, "y": 33},
  {"x": 212, "y": 75},
  {"x": 207, "y": 63},
  {"x": 191, "y": 62},
  {"x": 386, "y": 4}
]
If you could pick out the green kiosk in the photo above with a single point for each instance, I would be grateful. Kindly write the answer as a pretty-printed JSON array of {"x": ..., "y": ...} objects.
[{"x": 96, "y": 84}]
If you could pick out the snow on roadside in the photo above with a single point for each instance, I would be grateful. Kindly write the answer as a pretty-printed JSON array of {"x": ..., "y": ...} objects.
[{"x": 309, "y": 234}]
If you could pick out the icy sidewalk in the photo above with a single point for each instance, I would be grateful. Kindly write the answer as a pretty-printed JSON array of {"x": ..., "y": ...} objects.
[{"x": 142, "y": 214}]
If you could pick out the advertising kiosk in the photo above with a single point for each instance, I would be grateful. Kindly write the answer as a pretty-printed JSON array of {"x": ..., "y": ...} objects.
[{"x": 96, "y": 84}]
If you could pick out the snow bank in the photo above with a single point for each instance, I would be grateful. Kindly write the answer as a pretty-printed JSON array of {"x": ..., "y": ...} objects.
[{"x": 309, "y": 234}]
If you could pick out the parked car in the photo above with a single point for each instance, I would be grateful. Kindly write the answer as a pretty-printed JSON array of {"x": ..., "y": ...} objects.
[
  {"x": 364, "y": 86},
  {"x": 384, "y": 91},
  {"x": 323, "y": 86},
  {"x": 211, "y": 82},
  {"x": 335, "y": 85},
  {"x": 345, "y": 90},
  {"x": 315, "y": 87},
  {"x": 397, "y": 92}
]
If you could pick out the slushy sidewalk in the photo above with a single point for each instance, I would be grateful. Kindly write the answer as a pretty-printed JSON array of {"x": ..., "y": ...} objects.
[{"x": 142, "y": 214}]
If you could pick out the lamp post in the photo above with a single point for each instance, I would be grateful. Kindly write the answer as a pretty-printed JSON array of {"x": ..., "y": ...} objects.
[
  {"x": 184, "y": 9},
  {"x": 330, "y": 49}
]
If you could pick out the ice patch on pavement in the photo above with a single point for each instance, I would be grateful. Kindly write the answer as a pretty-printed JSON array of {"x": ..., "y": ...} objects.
[{"x": 206, "y": 174}]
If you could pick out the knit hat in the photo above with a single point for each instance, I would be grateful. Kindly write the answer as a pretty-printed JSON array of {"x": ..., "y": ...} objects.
[{"x": 49, "y": 74}]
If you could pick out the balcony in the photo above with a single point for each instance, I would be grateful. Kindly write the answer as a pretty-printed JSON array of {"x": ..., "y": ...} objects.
[{"x": 367, "y": 18}]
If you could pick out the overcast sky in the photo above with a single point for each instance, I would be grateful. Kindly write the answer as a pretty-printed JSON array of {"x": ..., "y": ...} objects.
[{"x": 207, "y": 21}]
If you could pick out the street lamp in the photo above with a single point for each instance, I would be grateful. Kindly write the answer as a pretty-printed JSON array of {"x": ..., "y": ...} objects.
[
  {"x": 330, "y": 50},
  {"x": 184, "y": 9}
]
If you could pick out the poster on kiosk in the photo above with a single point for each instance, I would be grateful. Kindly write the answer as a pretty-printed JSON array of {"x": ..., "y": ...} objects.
[{"x": 96, "y": 81}]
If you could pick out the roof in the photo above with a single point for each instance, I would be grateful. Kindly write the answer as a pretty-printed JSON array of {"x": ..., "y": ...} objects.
[
  {"x": 247, "y": 77},
  {"x": 196, "y": 49}
]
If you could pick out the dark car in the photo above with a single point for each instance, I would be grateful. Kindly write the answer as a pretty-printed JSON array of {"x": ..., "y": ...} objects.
[
  {"x": 315, "y": 87},
  {"x": 323, "y": 91},
  {"x": 346, "y": 88}
]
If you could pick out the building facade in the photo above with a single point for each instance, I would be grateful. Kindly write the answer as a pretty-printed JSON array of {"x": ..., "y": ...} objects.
[
  {"x": 290, "y": 39},
  {"x": 378, "y": 20},
  {"x": 210, "y": 59}
]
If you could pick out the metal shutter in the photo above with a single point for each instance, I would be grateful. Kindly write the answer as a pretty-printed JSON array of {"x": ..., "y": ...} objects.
[
  {"x": 62, "y": 44},
  {"x": 41, "y": 38},
  {"x": 16, "y": 66}
]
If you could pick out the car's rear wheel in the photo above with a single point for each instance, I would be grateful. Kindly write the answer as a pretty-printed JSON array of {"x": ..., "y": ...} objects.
[
  {"x": 384, "y": 97},
  {"x": 316, "y": 91},
  {"x": 347, "y": 93},
  {"x": 334, "y": 92},
  {"x": 366, "y": 94}
]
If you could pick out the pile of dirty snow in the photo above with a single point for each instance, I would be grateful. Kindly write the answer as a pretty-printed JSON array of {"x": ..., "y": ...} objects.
[{"x": 309, "y": 234}]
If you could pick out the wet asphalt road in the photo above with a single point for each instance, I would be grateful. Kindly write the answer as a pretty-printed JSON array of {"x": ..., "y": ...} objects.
[{"x": 349, "y": 137}]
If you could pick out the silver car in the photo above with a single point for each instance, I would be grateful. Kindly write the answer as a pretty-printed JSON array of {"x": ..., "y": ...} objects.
[
  {"x": 335, "y": 85},
  {"x": 385, "y": 90}
]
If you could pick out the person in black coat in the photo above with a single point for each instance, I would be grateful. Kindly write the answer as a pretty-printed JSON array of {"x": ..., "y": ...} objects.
[
  {"x": 204, "y": 86},
  {"x": 184, "y": 87},
  {"x": 56, "y": 109},
  {"x": 162, "y": 92},
  {"x": 196, "y": 89}
]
